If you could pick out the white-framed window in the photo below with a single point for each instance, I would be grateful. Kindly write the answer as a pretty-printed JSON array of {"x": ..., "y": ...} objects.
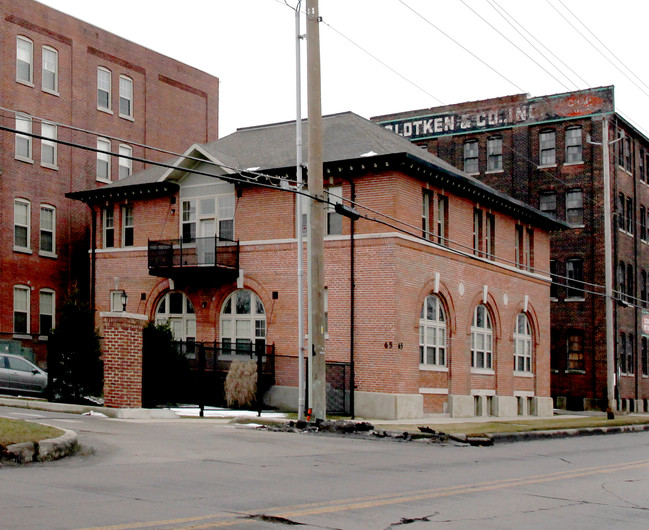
[
  {"x": 207, "y": 217},
  {"x": 125, "y": 164},
  {"x": 225, "y": 210},
  {"x": 104, "y": 88},
  {"x": 24, "y": 60},
  {"x": 575, "y": 207},
  {"x": 522, "y": 344},
  {"x": 471, "y": 157},
  {"x": 548, "y": 148},
  {"x": 21, "y": 309},
  {"x": 524, "y": 248},
  {"x": 477, "y": 232},
  {"x": 177, "y": 310},
  {"x": 47, "y": 243},
  {"x": 46, "y": 311},
  {"x": 22, "y": 224},
  {"x": 481, "y": 339},
  {"x": 432, "y": 333},
  {"x": 442, "y": 220},
  {"x": 103, "y": 160},
  {"x": 334, "y": 219},
  {"x": 425, "y": 216},
  {"x": 243, "y": 323},
  {"x": 125, "y": 96},
  {"x": 116, "y": 304},
  {"x": 108, "y": 227},
  {"x": 24, "y": 141},
  {"x": 50, "y": 70},
  {"x": 495, "y": 153},
  {"x": 573, "y": 145},
  {"x": 127, "y": 226},
  {"x": 48, "y": 147}
]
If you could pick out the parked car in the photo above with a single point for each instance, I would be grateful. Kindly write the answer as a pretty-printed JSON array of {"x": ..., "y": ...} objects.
[{"x": 18, "y": 375}]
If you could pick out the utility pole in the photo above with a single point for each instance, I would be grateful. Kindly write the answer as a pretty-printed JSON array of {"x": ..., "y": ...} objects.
[{"x": 317, "y": 367}]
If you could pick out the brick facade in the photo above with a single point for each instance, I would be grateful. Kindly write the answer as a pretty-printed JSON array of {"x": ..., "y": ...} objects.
[{"x": 163, "y": 91}]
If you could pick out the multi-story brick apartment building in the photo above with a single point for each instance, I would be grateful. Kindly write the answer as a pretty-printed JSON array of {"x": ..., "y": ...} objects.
[
  {"x": 56, "y": 72},
  {"x": 551, "y": 153},
  {"x": 451, "y": 311}
]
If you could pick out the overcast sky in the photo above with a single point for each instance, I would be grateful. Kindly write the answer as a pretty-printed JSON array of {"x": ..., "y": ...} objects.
[{"x": 384, "y": 56}]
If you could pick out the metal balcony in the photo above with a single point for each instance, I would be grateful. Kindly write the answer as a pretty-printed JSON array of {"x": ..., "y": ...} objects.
[{"x": 201, "y": 256}]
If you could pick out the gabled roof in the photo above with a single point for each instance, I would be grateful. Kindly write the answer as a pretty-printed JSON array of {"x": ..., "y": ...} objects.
[{"x": 347, "y": 137}]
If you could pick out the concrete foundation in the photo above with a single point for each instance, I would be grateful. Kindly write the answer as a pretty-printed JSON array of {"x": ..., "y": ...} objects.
[{"x": 461, "y": 406}]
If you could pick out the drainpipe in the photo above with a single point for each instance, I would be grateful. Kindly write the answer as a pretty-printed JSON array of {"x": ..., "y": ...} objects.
[
  {"x": 352, "y": 378},
  {"x": 93, "y": 261}
]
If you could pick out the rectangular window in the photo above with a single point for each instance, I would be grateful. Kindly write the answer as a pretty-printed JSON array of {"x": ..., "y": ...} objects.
[
  {"x": 24, "y": 141},
  {"x": 628, "y": 155},
  {"x": 490, "y": 236},
  {"x": 620, "y": 148},
  {"x": 495, "y": 153},
  {"x": 21, "y": 309},
  {"x": 630, "y": 215},
  {"x": 643, "y": 288},
  {"x": 125, "y": 164},
  {"x": 189, "y": 221},
  {"x": 573, "y": 145},
  {"x": 108, "y": 227},
  {"x": 48, "y": 230},
  {"x": 575, "y": 279},
  {"x": 641, "y": 166},
  {"x": 621, "y": 280},
  {"x": 48, "y": 147},
  {"x": 226, "y": 207},
  {"x": 24, "y": 60},
  {"x": 103, "y": 88},
  {"x": 477, "y": 232},
  {"x": 334, "y": 219},
  {"x": 630, "y": 277},
  {"x": 621, "y": 202},
  {"x": 575, "y": 207},
  {"x": 548, "y": 148},
  {"x": 103, "y": 160},
  {"x": 471, "y": 157},
  {"x": 622, "y": 352},
  {"x": 548, "y": 203},
  {"x": 442, "y": 220},
  {"x": 127, "y": 226},
  {"x": 125, "y": 96},
  {"x": 116, "y": 305},
  {"x": 50, "y": 81},
  {"x": 22, "y": 214},
  {"x": 630, "y": 357},
  {"x": 575, "y": 346},
  {"x": 554, "y": 286},
  {"x": 643, "y": 224},
  {"x": 46, "y": 311},
  {"x": 425, "y": 216},
  {"x": 645, "y": 355},
  {"x": 524, "y": 248}
]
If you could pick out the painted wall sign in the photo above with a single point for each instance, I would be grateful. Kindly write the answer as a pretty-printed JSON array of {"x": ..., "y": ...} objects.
[{"x": 533, "y": 110}]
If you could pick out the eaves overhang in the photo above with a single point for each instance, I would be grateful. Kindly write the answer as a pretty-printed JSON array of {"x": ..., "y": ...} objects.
[{"x": 116, "y": 193}]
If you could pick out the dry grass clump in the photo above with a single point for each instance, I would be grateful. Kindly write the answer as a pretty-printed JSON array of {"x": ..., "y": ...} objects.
[
  {"x": 241, "y": 384},
  {"x": 16, "y": 431}
]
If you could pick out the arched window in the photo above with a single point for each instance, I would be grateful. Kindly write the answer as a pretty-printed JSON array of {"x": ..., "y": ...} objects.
[
  {"x": 481, "y": 339},
  {"x": 522, "y": 344},
  {"x": 432, "y": 333},
  {"x": 175, "y": 309},
  {"x": 243, "y": 323}
]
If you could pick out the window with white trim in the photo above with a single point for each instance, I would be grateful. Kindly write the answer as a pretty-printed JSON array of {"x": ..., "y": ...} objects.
[
  {"x": 21, "y": 309},
  {"x": 471, "y": 157},
  {"x": 48, "y": 147},
  {"x": 573, "y": 145},
  {"x": 24, "y": 141},
  {"x": 425, "y": 215},
  {"x": 442, "y": 220},
  {"x": 481, "y": 339},
  {"x": 243, "y": 323},
  {"x": 127, "y": 226},
  {"x": 103, "y": 88},
  {"x": 495, "y": 153},
  {"x": 522, "y": 344},
  {"x": 125, "y": 163},
  {"x": 47, "y": 243},
  {"x": 22, "y": 224},
  {"x": 103, "y": 160},
  {"x": 108, "y": 227},
  {"x": 177, "y": 310},
  {"x": 334, "y": 219},
  {"x": 548, "y": 148},
  {"x": 116, "y": 304},
  {"x": 207, "y": 217},
  {"x": 432, "y": 333},
  {"x": 24, "y": 60},
  {"x": 46, "y": 311},
  {"x": 50, "y": 70},
  {"x": 125, "y": 96}
]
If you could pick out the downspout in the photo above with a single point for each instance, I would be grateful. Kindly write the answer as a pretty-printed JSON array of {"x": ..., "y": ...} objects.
[
  {"x": 93, "y": 260},
  {"x": 352, "y": 378},
  {"x": 636, "y": 306}
]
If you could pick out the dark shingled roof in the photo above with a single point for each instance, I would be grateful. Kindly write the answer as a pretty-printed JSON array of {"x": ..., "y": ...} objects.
[{"x": 347, "y": 137}]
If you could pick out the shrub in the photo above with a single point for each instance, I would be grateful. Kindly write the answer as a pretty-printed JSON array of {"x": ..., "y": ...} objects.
[{"x": 241, "y": 384}]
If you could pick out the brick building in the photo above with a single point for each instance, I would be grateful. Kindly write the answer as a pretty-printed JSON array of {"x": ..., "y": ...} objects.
[
  {"x": 451, "y": 311},
  {"x": 551, "y": 152},
  {"x": 57, "y": 71}
]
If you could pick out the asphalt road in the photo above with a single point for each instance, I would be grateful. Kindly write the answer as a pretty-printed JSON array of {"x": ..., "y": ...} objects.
[{"x": 207, "y": 474}]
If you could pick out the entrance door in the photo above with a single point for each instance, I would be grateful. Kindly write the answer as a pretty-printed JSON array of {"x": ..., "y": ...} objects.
[{"x": 205, "y": 247}]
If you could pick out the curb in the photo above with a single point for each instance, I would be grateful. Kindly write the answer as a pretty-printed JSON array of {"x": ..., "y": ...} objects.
[
  {"x": 45, "y": 450},
  {"x": 508, "y": 437}
]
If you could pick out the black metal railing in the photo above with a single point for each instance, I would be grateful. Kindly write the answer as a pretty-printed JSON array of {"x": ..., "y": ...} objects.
[{"x": 214, "y": 251}]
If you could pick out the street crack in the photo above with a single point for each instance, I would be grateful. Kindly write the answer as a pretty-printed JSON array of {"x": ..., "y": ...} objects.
[{"x": 410, "y": 520}]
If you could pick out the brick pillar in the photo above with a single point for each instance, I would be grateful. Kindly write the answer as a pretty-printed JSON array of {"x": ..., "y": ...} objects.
[{"x": 122, "y": 353}]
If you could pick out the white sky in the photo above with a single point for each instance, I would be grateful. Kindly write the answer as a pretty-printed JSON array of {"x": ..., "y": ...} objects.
[{"x": 250, "y": 46}]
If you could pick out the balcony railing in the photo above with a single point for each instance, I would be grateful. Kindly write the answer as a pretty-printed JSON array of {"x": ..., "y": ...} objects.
[{"x": 170, "y": 256}]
